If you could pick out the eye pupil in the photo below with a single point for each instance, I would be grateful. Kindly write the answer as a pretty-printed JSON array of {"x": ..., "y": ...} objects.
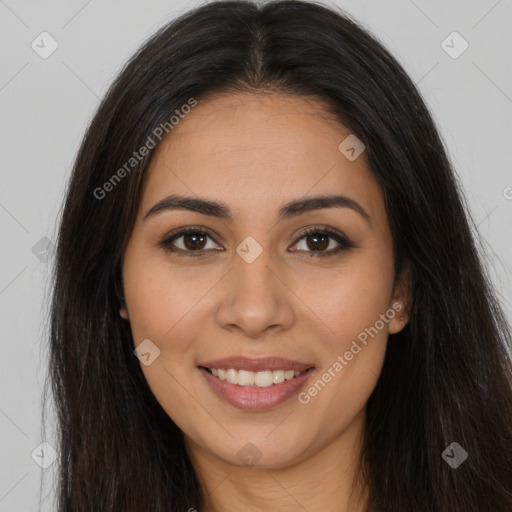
[
  {"x": 195, "y": 237},
  {"x": 318, "y": 245}
]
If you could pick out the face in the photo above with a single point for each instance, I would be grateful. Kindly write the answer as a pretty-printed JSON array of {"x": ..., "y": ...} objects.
[{"x": 266, "y": 276}]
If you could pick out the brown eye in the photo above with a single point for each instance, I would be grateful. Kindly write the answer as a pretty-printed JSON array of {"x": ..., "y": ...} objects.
[
  {"x": 318, "y": 241},
  {"x": 194, "y": 241},
  {"x": 189, "y": 240}
]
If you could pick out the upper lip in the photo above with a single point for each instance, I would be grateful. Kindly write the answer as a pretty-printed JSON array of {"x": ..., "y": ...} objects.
[{"x": 256, "y": 364}]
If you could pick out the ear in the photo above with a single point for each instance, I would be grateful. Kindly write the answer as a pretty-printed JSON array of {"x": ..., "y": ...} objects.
[
  {"x": 401, "y": 303},
  {"x": 123, "y": 312},
  {"x": 119, "y": 289}
]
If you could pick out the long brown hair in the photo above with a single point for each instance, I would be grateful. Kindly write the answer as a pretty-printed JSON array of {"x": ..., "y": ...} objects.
[{"x": 447, "y": 377}]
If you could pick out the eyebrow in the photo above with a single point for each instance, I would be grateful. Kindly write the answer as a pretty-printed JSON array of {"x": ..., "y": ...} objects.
[{"x": 222, "y": 211}]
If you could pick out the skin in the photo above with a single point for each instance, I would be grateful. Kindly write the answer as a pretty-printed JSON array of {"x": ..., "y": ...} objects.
[{"x": 254, "y": 153}]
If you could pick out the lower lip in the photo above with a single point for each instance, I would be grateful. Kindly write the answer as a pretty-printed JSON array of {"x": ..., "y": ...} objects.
[{"x": 253, "y": 398}]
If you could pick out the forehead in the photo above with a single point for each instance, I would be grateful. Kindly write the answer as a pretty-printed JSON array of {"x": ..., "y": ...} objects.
[{"x": 257, "y": 151}]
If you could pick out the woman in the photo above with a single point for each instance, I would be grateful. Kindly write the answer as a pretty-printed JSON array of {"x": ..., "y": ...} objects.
[{"x": 267, "y": 293}]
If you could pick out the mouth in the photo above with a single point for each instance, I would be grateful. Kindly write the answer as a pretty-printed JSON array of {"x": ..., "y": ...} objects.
[
  {"x": 255, "y": 384},
  {"x": 260, "y": 379}
]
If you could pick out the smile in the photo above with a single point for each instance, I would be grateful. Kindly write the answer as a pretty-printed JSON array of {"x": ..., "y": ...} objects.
[
  {"x": 261, "y": 379},
  {"x": 268, "y": 389}
]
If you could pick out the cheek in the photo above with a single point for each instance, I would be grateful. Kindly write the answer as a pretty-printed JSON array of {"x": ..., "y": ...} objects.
[
  {"x": 160, "y": 298},
  {"x": 162, "y": 304},
  {"x": 350, "y": 299},
  {"x": 168, "y": 306},
  {"x": 354, "y": 308}
]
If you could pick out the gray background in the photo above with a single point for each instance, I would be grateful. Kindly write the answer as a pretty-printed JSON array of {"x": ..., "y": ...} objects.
[{"x": 47, "y": 103}]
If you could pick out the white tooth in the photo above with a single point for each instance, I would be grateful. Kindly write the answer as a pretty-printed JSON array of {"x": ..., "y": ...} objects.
[
  {"x": 263, "y": 379},
  {"x": 232, "y": 376},
  {"x": 245, "y": 378},
  {"x": 278, "y": 376}
]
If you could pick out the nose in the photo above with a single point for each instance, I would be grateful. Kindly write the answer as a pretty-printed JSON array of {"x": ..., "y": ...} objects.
[{"x": 255, "y": 299}]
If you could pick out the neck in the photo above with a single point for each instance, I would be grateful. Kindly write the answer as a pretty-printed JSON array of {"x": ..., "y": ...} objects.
[{"x": 326, "y": 481}]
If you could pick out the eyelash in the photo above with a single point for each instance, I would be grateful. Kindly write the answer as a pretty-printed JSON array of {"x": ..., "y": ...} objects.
[{"x": 343, "y": 241}]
